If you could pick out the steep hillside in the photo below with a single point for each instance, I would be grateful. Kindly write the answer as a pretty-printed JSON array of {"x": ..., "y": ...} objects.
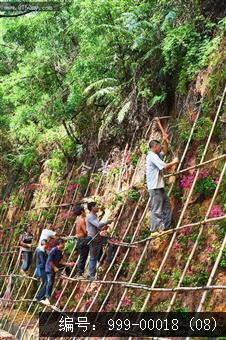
[{"x": 78, "y": 108}]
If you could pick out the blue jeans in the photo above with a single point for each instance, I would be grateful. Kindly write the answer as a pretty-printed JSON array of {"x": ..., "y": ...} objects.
[
  {"x": 95, "y": 248},
  {"x": 42, "y": 291},
  {"x": 50, "y": 277},
  {"x": 161, "y": 212},
  {"x": 27, "y": 260}
]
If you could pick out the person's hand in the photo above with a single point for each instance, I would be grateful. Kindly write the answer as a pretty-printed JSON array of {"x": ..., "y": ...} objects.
[
  {"x": 103, "y": 233},
  {"x": 165, "y": 137},
  {"x": 71, "y": 264},
  {"x": 110, "y": 221},
  {"x": 56, "y": 269},
  {"x": 176, "y": 160}
]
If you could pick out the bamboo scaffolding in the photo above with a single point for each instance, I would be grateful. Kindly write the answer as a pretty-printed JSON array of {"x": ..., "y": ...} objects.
[
  {"x": 130, "y": 284},
  {"x": 188, "y": 199},
  {"x": 20, "y": 288},
  {"x": 73, "y": 198},
  {"x": 212, "y": 274},
  {"x": 69, "y": 258},
  {"x": 198, "y": 237}
]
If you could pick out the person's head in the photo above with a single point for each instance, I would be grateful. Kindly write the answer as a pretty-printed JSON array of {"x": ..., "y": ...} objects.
[
  {"x": 80, "y": 211},
  {"x": 49, "y": 226},
  {"x": 155, "y": 146},
  {"x": 28, "y": 228},
  {"x": 44, "y": 244},
  {"x": 60, "y": 243},
  {"x": 92, "y": 207}
]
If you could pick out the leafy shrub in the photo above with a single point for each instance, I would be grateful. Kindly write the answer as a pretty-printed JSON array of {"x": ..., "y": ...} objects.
[
  {"x": 82, "y": 181},
  {"x": 134, "y": 194},
  {"x": 183, "y": 128},
  {"x": 223, "y": 260},
  {"x": 70, "y": 246},
  {"x": 205, "y": 186},
  {"x": 202, "y": 128}
]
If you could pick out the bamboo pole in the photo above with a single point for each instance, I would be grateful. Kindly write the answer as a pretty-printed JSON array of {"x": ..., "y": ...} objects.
[{"x": 196, "y": 166}]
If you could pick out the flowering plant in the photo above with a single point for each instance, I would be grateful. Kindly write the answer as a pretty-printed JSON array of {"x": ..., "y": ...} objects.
[
  {"x": 69, "y": 214},
  {"x": 126, "y": 301},
  {"x": 216, "y": 211},
  {"x": 72, "y": 187}
]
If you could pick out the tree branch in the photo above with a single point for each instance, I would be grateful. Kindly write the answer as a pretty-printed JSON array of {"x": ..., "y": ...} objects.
[{"x": 15, "y": 15}]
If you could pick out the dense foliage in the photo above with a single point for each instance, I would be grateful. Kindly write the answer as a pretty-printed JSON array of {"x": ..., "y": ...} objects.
[{"x": 80, "y": 74}]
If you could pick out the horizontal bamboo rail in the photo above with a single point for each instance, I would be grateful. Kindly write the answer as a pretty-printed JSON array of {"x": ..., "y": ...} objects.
[
  {"x": 196, "y": 166},
  {"x": 171, "y": 231}
]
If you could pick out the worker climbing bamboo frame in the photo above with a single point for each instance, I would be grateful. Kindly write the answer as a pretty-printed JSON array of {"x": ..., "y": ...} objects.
[{"x": 183, "y": 170}]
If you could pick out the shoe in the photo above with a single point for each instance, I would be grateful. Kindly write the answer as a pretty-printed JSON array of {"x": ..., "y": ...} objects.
[
  {"x": 80, "y": 277},
  {"x": 90, "y": 278},
  {"x": 45, "y": 302}
]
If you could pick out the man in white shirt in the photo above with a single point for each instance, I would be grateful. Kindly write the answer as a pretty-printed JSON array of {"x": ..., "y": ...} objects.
[
  {"x": 47, "y": 234},
  {"x": 161, "y": 213}
]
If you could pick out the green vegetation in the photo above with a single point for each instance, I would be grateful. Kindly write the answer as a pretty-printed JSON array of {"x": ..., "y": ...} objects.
[{"x": 92, "y": 71}]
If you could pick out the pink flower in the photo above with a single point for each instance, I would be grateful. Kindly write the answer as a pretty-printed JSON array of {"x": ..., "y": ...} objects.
[
  {"x": 190, "y": 243},
  {"x": 209, "y": 250},
  {"x": 177, "y": 246},
  {"x": 126, "y": 301},
  {"x": 203, "y": 173},
  {"x": 216, "y": 211},
  {"x": 142, "y": 192},
  {"x": 113, "y": 165},
  {"x": 189, "y": 272},
  {"x": 68, "y": 215},
  {"x": 186, "y": 181},
  {"x": 71, "y": 187},
  {"x": 127, "y": 158},
  {"x": 88, "y": 303},
  {"x": 58, "y": 294}
]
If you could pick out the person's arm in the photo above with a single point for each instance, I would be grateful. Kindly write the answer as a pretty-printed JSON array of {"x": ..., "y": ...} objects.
[
  {"x": 99, "y": 225},
  {"x": 165, "y": 137},
  {"x": 166, "y": 143},
  {"x": 24, "y": 245},
  {"x": 67, "y": 264},
  {"x": 174, "y": 161},
  {"x": 54, "y": 267}
]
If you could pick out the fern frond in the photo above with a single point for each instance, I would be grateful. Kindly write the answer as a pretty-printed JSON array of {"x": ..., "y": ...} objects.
[
  {"x": 97, "y": 85},
  {"x": 106, "y": 92},
  {"x": 122, "y": 113}
]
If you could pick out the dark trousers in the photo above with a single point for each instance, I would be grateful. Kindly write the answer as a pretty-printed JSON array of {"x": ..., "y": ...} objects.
[
  {"x": 42, "y": 291},
  {"x": 83, "y": 250},
  {"x": 50, "y": 277},
  {"x": 27, "y": 260},
  {"x": 95, "y": 248}
]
